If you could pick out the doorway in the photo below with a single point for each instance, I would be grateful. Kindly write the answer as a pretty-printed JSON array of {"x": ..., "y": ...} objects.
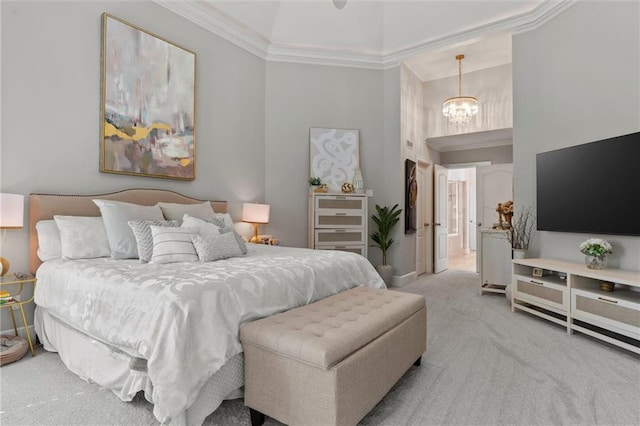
[{"x": 461, "y": 207}]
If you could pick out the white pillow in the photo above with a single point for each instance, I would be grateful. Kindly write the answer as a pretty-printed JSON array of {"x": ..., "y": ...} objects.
[
  {"x": 172, "y": 245},
  {"x": 82, "y": 237},
  {"x": 116, "y": 216},
  {"x": 199, "y": 224},
  {"x": 212, "y": 247},
  {"x": 226, "y": 217},
  {"x": 174, "y": 211},
  {"x": 48, "y": 240}
]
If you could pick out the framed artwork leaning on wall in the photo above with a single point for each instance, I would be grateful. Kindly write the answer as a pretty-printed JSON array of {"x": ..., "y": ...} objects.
[{"x": 148, "y": 115}]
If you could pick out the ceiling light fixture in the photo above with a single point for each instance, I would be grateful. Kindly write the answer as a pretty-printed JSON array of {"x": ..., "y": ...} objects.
[
  {"x": 461, "y": 109},
  {"x": 339, "y": 4}
]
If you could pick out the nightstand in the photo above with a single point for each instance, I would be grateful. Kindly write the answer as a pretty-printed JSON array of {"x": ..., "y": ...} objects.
[{"x": 18, "y": 282}]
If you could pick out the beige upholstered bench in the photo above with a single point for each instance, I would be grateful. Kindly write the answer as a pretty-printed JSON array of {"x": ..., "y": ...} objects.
[{"x": 331, "y": 362}]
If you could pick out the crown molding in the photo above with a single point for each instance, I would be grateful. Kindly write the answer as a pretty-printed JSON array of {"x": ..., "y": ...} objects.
[
  {"x": 231, "y": 30},
  {"x": 220, "y": 24},
  {"x": 470, "y": 145}
]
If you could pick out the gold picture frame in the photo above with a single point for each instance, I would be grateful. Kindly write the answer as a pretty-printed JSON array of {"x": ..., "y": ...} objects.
[{"x": 148, "y": 108}]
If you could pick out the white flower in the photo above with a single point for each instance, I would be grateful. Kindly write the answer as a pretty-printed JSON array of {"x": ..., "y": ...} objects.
[{"x": 595, "y": 247}]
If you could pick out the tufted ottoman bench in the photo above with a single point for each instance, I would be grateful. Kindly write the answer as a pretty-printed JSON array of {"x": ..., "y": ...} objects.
[{"x": 331, "y": 362}]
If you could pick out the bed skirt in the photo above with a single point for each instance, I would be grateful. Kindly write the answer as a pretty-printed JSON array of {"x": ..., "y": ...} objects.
[{"x": 124, "y": 372}]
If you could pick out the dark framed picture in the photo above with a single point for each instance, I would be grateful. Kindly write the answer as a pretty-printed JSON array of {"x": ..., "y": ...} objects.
[{"x": 411, "y": 197}]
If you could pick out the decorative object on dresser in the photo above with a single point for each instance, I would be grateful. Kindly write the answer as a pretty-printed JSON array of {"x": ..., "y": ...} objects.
[
  {"x": 333, "y": 155},
  {"x": 314, "y": 183},
  {"x": 256, "y": 214},
  {"x": 358, "y": 182},
  {"x": 595, "y": 252},
  {"x": 338, "y": 222},
  {"x": 11, "y": 217},
  {"x": 579, "y": 302},
  {"x": 385, "y": 219},
  {"x": 148, "y": 104},
  {"x": 347, "y": 188},
  {"x": 520, "y": 230}
]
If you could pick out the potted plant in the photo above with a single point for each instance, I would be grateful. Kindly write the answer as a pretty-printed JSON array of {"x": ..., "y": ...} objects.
[
  {"x": 314, "y": 182},
  {"x": 385, "y": 219},
  {"x": 520, "y": 231}
]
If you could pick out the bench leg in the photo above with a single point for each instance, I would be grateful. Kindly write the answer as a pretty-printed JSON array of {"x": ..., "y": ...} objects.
[
  {"x": 418, "y": 361},
  {"x": 257, "y": 418}
]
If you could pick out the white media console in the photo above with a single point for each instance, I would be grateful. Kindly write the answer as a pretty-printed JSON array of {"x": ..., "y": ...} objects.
[{"x": 569, "y": 294}]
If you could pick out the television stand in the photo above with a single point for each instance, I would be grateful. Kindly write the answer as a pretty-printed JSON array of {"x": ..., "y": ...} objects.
[{"x": 570, "y": 294}]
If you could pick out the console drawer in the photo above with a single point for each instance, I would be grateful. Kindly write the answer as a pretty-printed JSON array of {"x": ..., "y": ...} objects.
[
  {"x": 339, "y": 211},
  {"x": 542, "y": 293},
  {"x": 606, "y": 311},
  {"x": 334, "y": 237}
]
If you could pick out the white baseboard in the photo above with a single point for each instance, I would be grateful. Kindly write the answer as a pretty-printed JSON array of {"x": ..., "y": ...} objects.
[
  {"x": 21, "y": 333},
  {"x": 402, "y": 280}
]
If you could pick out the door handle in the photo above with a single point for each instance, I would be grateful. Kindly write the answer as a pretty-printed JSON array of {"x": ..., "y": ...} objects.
[
  {"x": 426, "y": 224},
  {"x": 436, "y": 224},
  {"x": 479, "y": 224}
]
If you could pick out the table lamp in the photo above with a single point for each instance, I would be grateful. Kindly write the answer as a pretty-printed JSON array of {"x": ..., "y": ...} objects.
[
  {"x": 11, "y": 217},
  {"x": 256, "y": 214}
]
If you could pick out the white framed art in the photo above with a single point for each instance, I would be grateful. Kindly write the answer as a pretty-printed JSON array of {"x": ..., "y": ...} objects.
[{"x": 334, "y": 155}]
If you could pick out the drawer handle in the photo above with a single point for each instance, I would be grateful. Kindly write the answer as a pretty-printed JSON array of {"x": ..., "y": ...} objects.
[
  {"x": 607, "y": 300},
  {"x": 339, "y": 230},
  {"x": 342, "y": 247},
  {"x": 341, "y": 214},
  {"x": 340, "y": 197},
  {"x": 536, "y": 282}
]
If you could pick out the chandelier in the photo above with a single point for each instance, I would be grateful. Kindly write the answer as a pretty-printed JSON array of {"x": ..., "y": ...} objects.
[{"x": 461, "y": 109}]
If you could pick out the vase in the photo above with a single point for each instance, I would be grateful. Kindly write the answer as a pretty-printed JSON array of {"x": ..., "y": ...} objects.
[
  {"x": 386, "y": 272},
  {"x": 595, "y": 262},
  {"x": 519, "y": 253},
  {"x": 358, "y": 182}
]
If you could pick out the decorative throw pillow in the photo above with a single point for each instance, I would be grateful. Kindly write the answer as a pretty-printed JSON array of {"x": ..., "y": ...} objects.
[
  {"x": 212, "y": 247},
  {"x": 204, "y": 226},
  {"x": 220, "y": 222},
  {"x": 226, "y": 217},
  {"x": 48, "y": 240},
  {"x": 144, "y": 238},
  {"x": 173, "y": 211},
  {"x": 172, "y": 245},
  {"x": 82, "y": 237},
  {"x": 116, "y": 215}
]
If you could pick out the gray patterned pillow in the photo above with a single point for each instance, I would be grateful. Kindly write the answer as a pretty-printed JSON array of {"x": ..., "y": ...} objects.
[
  {"x": 212, "y": 247},
  {"x": 142, "y": 231},
  {"x": 219, "y": 222}
]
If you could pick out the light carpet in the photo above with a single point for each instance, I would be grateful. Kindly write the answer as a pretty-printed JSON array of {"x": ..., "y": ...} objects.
[{"x": 484, "y": 365}]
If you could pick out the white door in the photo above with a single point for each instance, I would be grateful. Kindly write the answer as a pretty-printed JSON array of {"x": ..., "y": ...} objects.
[
  {"x": 494, "y": 184},
  {"x": 422, "y": 219},
  {"x": 440, "y": 228}
]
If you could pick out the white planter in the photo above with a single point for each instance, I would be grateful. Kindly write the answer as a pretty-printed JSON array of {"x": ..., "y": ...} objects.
[
  {"x": 519, "y": 253},
  {"x": 386, "y": 272}
]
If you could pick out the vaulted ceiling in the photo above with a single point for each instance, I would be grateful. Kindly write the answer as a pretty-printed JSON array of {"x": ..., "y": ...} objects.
[{"x": 427, "y": 34}]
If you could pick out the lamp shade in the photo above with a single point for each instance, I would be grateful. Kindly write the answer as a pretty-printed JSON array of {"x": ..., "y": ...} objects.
[
  {"x": 11, "y": 210},
  {"x": 255, "y": 213}
]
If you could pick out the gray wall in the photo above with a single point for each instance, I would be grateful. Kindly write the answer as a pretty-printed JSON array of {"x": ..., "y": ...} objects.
[
  {"x": 497, "y": 155},
  {"x": 51, "y": 99},
  {"x": 299, "y": 97},
  {"x": 572, "y": 87}
]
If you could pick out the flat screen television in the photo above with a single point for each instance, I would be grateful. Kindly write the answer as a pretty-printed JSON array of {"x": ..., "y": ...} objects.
[{"x": 590, "y": 188}]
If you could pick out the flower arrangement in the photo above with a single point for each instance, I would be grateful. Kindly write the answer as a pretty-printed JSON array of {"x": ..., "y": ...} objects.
[{"x": 595, "y": 247}]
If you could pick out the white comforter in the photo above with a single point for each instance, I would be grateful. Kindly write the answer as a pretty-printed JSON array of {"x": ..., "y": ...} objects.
[{"x": 184, "y": 318}]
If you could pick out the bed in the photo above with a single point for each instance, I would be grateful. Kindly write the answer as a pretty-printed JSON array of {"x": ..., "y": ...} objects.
[{"x": 171, "y": 330}]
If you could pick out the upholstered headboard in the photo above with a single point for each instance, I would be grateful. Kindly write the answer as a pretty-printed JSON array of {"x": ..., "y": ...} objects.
[{"x": 45, "y": 206}]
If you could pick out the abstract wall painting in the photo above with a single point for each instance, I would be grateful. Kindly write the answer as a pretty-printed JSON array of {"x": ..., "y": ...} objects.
[
  {"x": 148, "y": 104},
  {"x": 333, "y": 155}
]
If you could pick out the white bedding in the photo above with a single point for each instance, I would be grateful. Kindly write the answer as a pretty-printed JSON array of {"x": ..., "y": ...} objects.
[{"x": 184, "y": 318}]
